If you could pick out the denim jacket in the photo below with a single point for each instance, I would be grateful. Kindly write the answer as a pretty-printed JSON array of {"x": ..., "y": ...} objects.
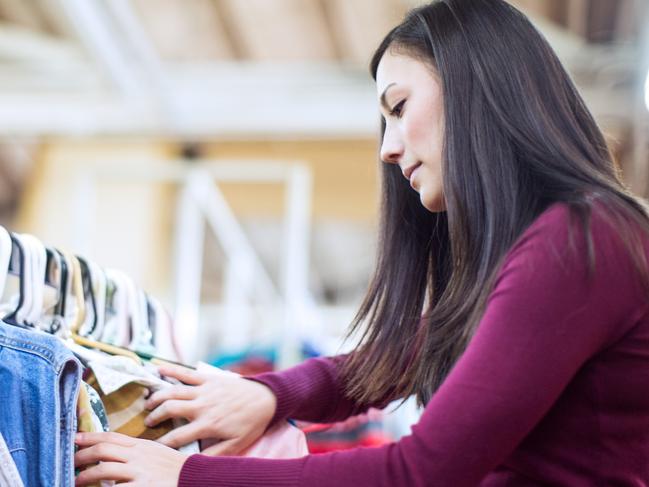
[{"x": 39, "y": 383}]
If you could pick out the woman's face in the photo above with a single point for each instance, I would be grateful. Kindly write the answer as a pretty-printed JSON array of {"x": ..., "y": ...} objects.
[{"x": 410, "y": 97}]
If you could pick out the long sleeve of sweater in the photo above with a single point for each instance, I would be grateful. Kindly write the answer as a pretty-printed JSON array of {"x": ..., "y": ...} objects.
[
  {"x": 313, "y": 391},
  {"x": 514, "y": 392}
]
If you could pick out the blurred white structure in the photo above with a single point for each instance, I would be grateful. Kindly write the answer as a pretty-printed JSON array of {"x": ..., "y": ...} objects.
[
  {"x": 287, "y": 309},
  {"x": 646, "y": 91}
]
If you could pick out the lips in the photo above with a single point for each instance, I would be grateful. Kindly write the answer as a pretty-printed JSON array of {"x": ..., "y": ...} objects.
[{"x": 407, "y": 172}]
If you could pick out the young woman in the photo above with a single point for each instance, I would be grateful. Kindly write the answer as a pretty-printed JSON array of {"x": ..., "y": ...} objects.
[{"x": 511, "y": 294}]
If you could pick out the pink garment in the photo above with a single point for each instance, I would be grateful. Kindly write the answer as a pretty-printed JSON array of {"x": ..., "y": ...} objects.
[{"x": 281, "y": 441}]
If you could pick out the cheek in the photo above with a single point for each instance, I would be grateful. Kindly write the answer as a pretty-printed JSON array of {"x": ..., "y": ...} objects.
[
  {"x": 418, "y": 136},
  {"x": 422, "y": 133}
]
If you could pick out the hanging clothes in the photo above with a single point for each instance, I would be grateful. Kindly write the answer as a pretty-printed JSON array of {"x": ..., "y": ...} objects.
[
  {"x": 123, "y": 386},
  {"x": 59, "y": 310},
  {"x": 39, "y": 383}
]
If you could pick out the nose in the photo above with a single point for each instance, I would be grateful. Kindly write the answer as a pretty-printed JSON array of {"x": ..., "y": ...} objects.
[{"x": 391, "y": 147}]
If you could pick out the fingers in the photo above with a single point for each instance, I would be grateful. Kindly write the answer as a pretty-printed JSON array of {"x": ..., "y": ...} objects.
[
  {"x": 103, "y": 471},
  {"x": 183, "y": 435},
  {"x": 183, "y": 374},
  {"x": 101, "y": 452},
  {"x": 224, "y": 448},
  {"x": 89, "y": 439},
  {"x": 175, "y": 392},
  {"x": 169, "y": 410}
]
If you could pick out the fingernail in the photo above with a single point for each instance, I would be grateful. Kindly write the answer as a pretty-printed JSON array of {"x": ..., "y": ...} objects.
[{"x": 78, "y": 437}]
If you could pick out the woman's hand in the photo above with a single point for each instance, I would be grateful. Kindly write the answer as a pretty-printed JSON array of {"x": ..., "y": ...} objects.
[
  {"x": 125, "y": 459},
  {"x": 227, "y": 408}
]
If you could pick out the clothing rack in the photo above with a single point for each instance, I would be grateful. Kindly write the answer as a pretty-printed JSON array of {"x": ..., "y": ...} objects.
[
  {"x": 79, "y": 349},
  {"x": 54, "y": 291}
]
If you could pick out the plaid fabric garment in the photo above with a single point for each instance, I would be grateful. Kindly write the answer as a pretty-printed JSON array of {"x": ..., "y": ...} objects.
[
  {"x": 125, "y": 410},
  {"x": 91, "y": 417},
  {"x": 123, "y": 386}
]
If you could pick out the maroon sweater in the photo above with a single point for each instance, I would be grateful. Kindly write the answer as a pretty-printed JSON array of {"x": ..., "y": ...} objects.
[{"x": 553, "y": 389}]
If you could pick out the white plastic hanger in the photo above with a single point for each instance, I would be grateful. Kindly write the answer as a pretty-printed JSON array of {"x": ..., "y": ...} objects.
[
  {"x": 89, "y": 322},
  {"x": 117, "y": 325},
  {"x": 99, "y": 285},
  {"x": 143, "y": 337},
  {"x": 68, "y": 308},
  {"x": 26, "y": 277},
  {"x": 53, "y": 292},
  {"x": 133, "y": 311},
  {"x": 36, "y": 281},
  {"x": 5, "y": 257},
  {"x": 164, "y": 340},
  {"x": 12, "y": 298}
]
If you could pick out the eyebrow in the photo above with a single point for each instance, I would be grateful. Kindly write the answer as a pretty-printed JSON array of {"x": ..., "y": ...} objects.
[{"x": 384, "y": 102}]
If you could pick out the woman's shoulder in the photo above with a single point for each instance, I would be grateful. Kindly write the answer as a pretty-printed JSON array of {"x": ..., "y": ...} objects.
[
  {"x": 604, "y": 229},
  {"x": 600, "y": 264},
  {"x": 609, "y": 247}
]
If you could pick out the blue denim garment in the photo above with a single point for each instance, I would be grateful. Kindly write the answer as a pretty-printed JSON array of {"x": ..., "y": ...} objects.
[{"x": 39, "y": 384}]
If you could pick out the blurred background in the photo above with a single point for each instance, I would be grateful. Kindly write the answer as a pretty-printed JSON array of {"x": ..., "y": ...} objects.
[{"x": 223, "y": 153}]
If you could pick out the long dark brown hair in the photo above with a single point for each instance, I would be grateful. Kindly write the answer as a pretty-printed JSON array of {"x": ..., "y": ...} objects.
[{"x": 517, "y": 138}]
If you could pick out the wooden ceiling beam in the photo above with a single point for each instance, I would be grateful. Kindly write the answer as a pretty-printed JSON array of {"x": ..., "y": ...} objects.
[
  {"x": 185, "y": 31},
  {"x": 280, "y": 30},
  {"x": 359, "y": 26},
  {"x": 35, "y": 48},
  {"x": 22, "y": 12},
  {"x": 54, "y": 19}
]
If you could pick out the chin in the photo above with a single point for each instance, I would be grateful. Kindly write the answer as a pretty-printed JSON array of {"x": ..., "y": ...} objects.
[{"x": 433, "y": 203}]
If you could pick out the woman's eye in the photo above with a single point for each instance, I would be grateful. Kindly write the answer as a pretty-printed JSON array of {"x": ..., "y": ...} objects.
[{"x": 398, "y": 108}]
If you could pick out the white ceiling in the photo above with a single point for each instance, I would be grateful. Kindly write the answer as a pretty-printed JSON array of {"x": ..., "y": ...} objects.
[{"x": 250, "y": 68}]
